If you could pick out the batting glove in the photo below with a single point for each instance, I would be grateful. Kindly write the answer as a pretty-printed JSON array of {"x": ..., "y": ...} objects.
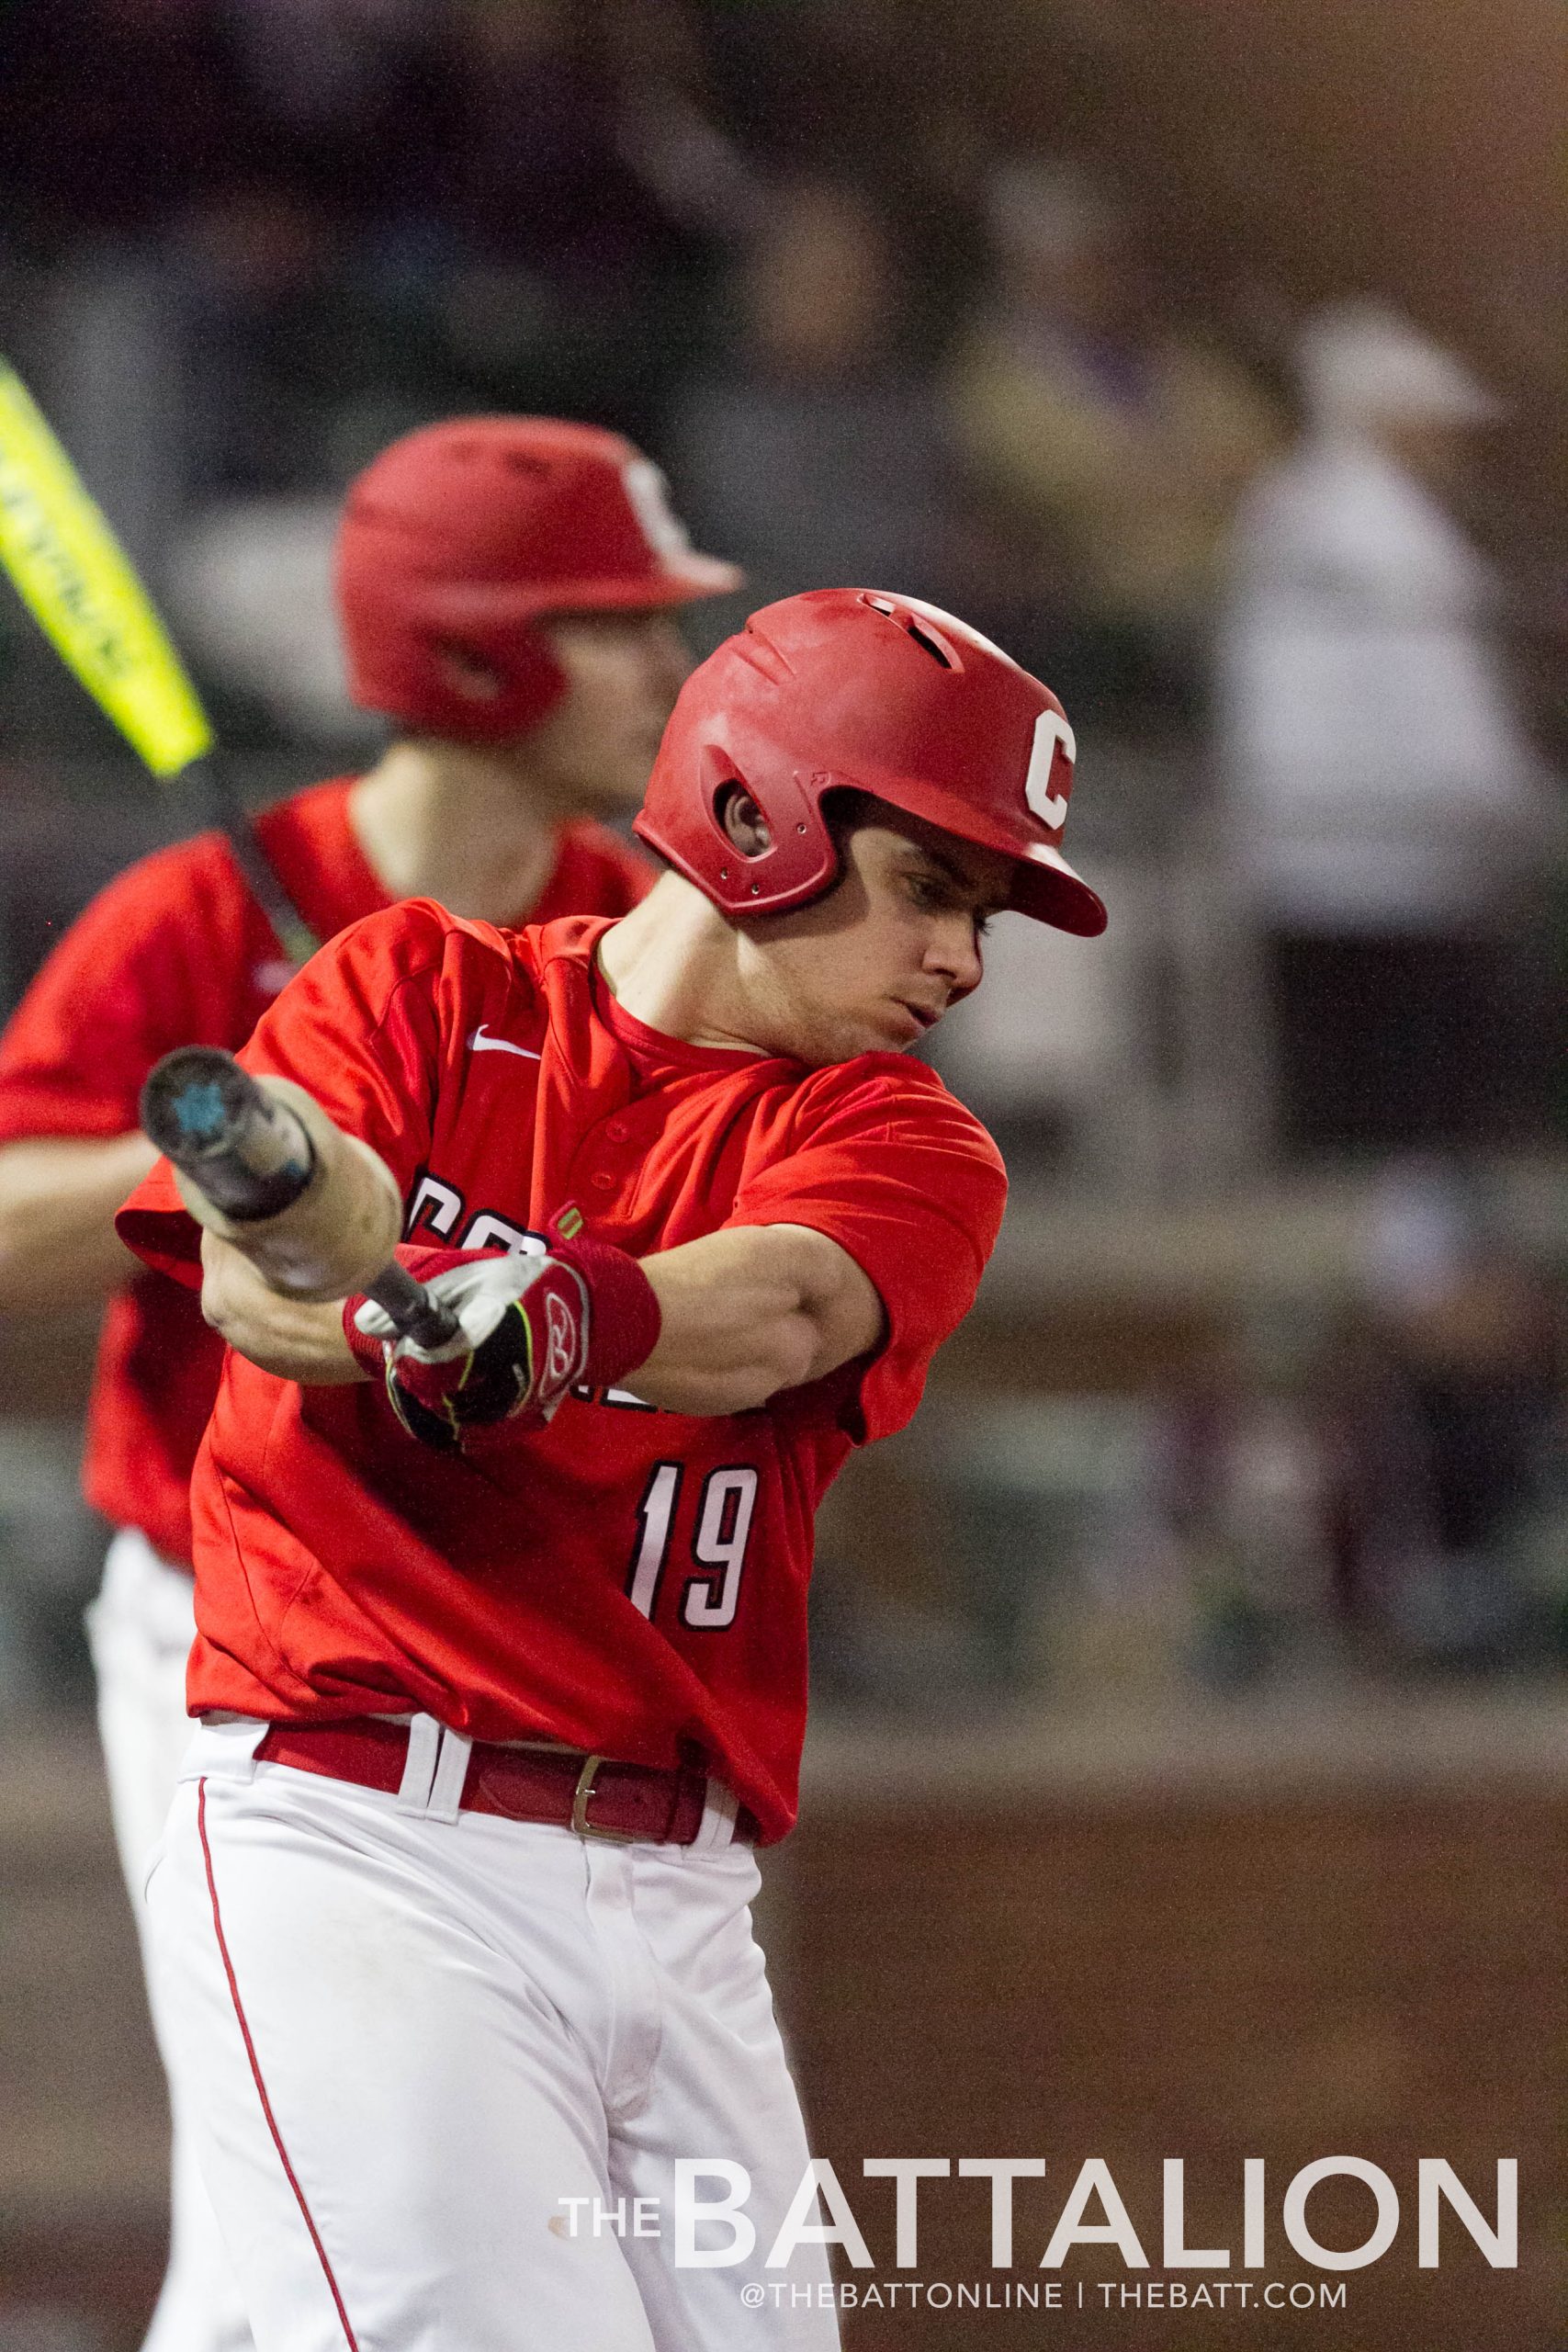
[{"x": 530, "y": 1329}]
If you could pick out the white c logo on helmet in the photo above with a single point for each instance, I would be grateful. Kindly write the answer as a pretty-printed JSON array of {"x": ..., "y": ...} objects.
[
  {"x": 648, "y": 494},
  {"x": 1051, "y": 731}
]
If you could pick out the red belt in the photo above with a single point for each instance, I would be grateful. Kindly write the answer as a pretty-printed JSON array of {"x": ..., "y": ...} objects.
[{"x": 591, "y": 1795}]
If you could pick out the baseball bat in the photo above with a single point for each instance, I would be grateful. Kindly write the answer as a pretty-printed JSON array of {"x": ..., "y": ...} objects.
[
  {"x": 259, "y": 1163},
  {"x": 76, "y": 580}
]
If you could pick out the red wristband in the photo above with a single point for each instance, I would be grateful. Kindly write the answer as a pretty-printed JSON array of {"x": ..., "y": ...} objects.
[
  {"x": 624, "y": 1316},
  {"x": 623, "y": 1312}
]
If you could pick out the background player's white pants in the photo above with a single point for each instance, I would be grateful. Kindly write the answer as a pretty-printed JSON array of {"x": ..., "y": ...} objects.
[
  {"x": 417, "y": 2036},
  {"x": 139, "y": 1630}
]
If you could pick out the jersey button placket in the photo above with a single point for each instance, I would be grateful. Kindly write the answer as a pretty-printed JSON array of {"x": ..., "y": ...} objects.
[{"x": 607, "y": 1143}]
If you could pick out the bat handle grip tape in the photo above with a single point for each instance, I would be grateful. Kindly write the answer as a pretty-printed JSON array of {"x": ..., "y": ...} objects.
[{"x": 418, "y": 1317}]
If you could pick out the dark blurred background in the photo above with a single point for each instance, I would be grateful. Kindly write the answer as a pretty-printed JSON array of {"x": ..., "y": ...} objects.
[{"x": 1190, "y": 1767}]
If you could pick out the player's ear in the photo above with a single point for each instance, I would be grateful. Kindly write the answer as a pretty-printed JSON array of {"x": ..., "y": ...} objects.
[
  {"x": 465, "y": 674},
  {"x": 744, "y": 822}
]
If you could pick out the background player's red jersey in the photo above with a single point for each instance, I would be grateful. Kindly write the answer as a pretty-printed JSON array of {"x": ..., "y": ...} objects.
[
  {"x": 174, "y": 951},
  {"x": 628, "y": 1580}
]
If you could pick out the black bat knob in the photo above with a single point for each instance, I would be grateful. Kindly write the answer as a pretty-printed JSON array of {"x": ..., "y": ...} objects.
[
  {"x": 247, "y": 1153},
  {"x": 252, "y": 1158}
]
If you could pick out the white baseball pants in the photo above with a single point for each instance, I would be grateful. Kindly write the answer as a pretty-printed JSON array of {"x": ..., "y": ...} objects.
[
  {"x": 139, "y": 1630},
  {"x": 420, "y": 2035}
]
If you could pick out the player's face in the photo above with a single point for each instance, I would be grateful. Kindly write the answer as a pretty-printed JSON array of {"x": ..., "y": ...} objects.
[
  {"x": 871, "y": 967},
  {"x": 624, "y": 671}
]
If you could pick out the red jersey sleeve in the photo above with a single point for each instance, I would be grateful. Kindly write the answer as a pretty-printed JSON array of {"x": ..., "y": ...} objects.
[
  {"x": 155, "y": 1223},
  {"x": 896, "y": 1171},
  {"x": 125, "y": 984},
  {"x": 360, "y": 1028}
]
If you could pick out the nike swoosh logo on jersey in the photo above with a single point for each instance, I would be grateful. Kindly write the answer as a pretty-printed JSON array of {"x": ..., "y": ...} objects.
[{"x": 479, "y": 1044}]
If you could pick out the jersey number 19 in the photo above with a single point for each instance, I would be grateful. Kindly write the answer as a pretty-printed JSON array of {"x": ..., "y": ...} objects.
[{"x": 711, "y": 1595}]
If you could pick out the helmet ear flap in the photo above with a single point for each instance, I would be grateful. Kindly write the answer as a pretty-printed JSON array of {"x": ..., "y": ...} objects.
[
  {"x": 418, "y": 650},
  {"x": 736, "y": 869},
  {"x": 463, "y": 670},
  {"x": 801, "y": 859},
  {"x": 456, "y": 625}
]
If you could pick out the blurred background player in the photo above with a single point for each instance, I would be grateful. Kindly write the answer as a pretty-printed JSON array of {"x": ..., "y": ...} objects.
[
  {"x": 506, "y": 587},
  {"x": 1110, "y": 443},
  {"x": 1395, "y": 822}
]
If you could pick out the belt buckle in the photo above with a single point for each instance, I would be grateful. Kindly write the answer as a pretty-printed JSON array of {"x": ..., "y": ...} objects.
[{"x": 580, "y": 1798}]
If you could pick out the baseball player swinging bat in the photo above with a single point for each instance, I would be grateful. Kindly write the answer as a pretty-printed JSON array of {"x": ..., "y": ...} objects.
[{"x": 259, "y": 1163}]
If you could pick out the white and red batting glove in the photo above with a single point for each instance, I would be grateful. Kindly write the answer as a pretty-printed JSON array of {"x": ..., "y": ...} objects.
[{"x": 529, "y": 1329}]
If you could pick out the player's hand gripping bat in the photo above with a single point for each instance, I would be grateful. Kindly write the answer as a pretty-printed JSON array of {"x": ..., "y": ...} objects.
[{"x": 260, "y": 1164}]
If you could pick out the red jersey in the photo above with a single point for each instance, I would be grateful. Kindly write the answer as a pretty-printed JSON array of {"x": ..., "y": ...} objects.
[
  {"x": 176, "y": 952},
  {"x": 628, "y": 1580}
]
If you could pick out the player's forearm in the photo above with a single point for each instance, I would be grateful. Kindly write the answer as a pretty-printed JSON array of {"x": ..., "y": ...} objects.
[
  {"x": 297, "y": 1339},
  {"x": 750, "y": 1311},
  {"x": 58, "y": 1196},
  {"x": 743, "y": 1314}
]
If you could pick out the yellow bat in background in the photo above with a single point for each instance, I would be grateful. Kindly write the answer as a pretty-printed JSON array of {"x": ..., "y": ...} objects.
[
  {"x": 74, "y": 578},
  {"x": 80, "y": 586}
]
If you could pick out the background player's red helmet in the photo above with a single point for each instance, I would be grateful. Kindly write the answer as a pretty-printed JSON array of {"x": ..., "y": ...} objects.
[
  {"x": 846, "y": 688},
  {"x": 463, "y": 536}
]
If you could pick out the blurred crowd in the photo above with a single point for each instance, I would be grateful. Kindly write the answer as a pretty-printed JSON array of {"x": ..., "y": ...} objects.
[
  {"x": 867, "y": 347},
  {"x": 1365, "y": 1479},
  {"x": 1391, "y": 1475},
  {"x": 245, "y": 243}
]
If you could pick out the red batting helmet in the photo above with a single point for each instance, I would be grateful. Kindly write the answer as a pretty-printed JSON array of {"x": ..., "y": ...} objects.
[
  {"x": 464, "y": 535},
  {"x": 845, "y": 688}
]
